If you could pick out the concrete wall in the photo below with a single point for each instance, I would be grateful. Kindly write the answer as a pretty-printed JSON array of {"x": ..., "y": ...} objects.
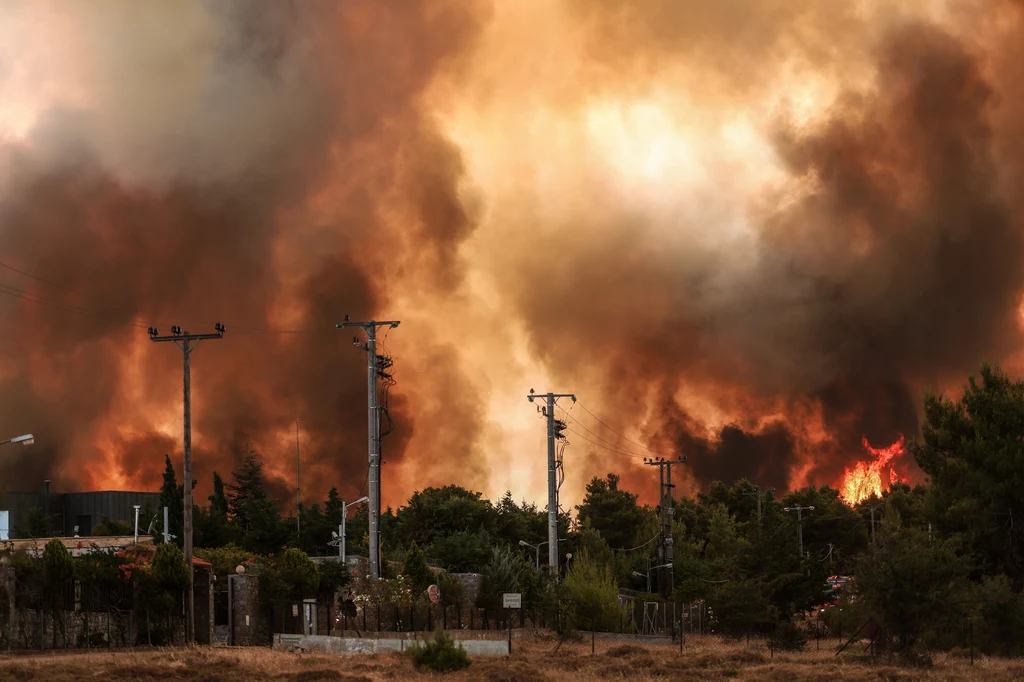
[{"x": 354, "y": 645}]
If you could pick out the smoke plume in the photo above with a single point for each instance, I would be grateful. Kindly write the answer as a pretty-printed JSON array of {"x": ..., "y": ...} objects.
[{"x": 748, "y": 233}]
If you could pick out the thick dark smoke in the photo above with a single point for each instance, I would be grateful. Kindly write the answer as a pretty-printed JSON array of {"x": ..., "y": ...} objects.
[
  {"x": 751, "y": 233},
  {"x": 894, "y": 267},
  {"x": 244, "y": 180}
]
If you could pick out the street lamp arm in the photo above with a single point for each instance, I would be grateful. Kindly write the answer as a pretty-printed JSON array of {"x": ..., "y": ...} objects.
[{"x": 26, "y": 439}]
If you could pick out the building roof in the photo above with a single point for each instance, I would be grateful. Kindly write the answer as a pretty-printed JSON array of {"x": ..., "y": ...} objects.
[{"x": 79, "y": 546}]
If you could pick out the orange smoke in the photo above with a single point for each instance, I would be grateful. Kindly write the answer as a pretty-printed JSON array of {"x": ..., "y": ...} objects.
[{"x": 865, "y": 478}]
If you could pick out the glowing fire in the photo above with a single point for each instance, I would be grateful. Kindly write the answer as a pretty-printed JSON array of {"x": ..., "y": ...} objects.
[{"x": 865, "y": 479}]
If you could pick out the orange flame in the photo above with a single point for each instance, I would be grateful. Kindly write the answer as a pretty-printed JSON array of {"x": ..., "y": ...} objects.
[{"x": 865, "y": 479}]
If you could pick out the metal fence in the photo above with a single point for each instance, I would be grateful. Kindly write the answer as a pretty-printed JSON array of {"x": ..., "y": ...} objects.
[{"x": 74, "y": 615}]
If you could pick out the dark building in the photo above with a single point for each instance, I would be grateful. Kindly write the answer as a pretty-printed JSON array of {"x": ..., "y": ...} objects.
[{"x": 60, "y": 513}]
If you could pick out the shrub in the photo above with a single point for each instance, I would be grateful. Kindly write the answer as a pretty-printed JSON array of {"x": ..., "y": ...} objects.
[
  {"x": 169, "y": 568},
  {"x": 225, "y": 559},
  {"x": 57, "y": 563},
  {"x": 440, "y": 654},
  {"x": 591, "y": 595},
  {"x": 299, "y": 572},
  {"x": 789, "y": 637}
]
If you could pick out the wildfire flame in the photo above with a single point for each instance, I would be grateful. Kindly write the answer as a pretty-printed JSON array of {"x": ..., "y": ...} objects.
[{"x": 865, "y": 479}]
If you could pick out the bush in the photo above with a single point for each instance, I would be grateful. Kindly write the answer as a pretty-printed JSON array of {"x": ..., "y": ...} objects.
[
  {"x": 169, "y": 568},
  {"x": 591, "y": 596},
  {"x": 225, "y": 559},
  {"x": 789, "y": 637},
  {"x": 440, "y": 654}
]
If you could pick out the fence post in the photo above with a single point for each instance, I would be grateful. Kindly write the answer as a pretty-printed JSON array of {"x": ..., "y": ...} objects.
[
  {"x": 971, "y": 626},
  {"x": 593, "y": 637},
  {"x": 509, "y": 632}
]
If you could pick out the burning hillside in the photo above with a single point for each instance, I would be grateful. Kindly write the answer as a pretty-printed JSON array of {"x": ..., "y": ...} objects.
[{"x": 751, "y": 234}]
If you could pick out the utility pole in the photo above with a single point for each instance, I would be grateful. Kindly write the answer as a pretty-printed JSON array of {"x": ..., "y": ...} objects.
[
  {"x": 187, "y": 343},
  {"x": 760, "y": 493},
  {"x": 298, "y": 486},
  {"x": 555, "y": 428},
  {"x": 374, "y": 368},
  {"x": 167, "y": 531},
  {"x": 872, "y": 508},
  {"x": 667, "y": 514},
  {"x": 799, "y": 524}
]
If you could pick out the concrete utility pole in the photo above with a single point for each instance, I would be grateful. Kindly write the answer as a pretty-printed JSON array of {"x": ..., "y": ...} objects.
[
  {"x": 667, "y": 514},
  {"x": 555, "y": 428},
  {"x": 187, "y": 343},
  {"x": 760, "y": 493},
  {"x": 167, "y": 530},
  {"x": 298, "y": 486},
  {"x": 374, "y": 368},
  {"x": 799, "y": 524}
]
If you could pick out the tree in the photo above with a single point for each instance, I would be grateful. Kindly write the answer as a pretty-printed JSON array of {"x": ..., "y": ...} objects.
[
  {"x": 416, "y": 570},
  {"x": 462, "y": 552},
  {"x": 291, "y": 576},
  {"x": 501, "y": 574},
  {"x": 107, "y": 527},
  {"x": 252, "y": 510},
  {"x": 168, "y": 567},
  {"x": 440, "y": 512},
  {"x": 36, "y": 523},
  {"x": 908, "y": 579},
  {"x": 972, "y": 450},
  {"x": 172, "y": 496},
  {"x": 611, "y": 512}
]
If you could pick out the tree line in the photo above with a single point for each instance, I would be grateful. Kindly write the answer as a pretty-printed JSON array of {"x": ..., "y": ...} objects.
[{"x": 939, "y": 554}]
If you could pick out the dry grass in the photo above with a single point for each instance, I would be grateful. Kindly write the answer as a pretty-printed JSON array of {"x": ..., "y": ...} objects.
[{"x": 532, "y": 661}]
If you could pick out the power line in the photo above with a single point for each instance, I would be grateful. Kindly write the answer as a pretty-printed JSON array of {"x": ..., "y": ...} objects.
[
  {"x": 614, "y": 446},
  {"x": 605, "y": 447},
  {"x": 626, "y": 438}
]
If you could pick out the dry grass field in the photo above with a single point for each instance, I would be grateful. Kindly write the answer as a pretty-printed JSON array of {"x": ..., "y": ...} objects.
[{"x": 533, "y": 661}]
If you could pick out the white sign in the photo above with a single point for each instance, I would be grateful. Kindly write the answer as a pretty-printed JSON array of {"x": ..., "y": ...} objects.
[
  {"x": 512, "y": 600},
  {"x": 4, "y": 524}
]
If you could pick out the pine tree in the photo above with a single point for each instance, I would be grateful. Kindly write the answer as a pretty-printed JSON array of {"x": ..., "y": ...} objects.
[
  {"x": 417, "y": 571},
  {"x": 259, "y": 523}
]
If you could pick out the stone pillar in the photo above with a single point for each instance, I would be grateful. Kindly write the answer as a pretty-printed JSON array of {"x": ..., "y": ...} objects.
[{"x": 246, "y": 614}]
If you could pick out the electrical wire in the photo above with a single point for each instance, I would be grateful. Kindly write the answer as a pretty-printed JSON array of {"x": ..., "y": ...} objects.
[
  {"x": 592, "y": 442},
  {"x": 626, "y": 438},
  {"x": 614, "y": 446},
  {"x": 633, "y": 549}
]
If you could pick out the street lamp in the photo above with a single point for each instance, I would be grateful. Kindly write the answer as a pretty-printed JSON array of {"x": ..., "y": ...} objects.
[
  {"x": 524, "y": 543},
  {"x": 27, "y": 439},
  {"x": 339, "y": 536},
  {"x": 649, "y": 569}
]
